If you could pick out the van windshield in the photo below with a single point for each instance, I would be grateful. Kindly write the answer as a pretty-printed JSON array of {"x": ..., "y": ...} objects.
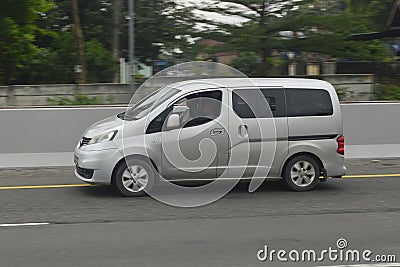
[{"x": 143, "y": 108}]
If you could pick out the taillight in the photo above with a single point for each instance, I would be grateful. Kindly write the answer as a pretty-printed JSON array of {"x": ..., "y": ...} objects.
[{"x": 340, "y": 141}]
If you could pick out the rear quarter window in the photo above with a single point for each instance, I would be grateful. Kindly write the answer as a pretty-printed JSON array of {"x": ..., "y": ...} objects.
[
  {"x": 251, "y": 103},
  {"x": 308, "y": 102}
]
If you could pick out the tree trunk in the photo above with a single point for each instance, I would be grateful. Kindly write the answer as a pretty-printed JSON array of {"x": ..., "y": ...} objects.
[
  {"x": 264, "y": 50},
  {"x": 80, "y": 72},
  {"x": 117, "y": 6},
  {"x": 264, "y": 55}
]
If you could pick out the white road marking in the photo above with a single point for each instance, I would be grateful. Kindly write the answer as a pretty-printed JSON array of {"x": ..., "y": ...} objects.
[{"x": 22, "y": 224}]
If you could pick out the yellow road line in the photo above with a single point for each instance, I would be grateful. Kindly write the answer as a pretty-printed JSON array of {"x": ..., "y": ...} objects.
[
  {"x": 43, "y": 186},
  {"x": 372, "y": 175},
  {"x": 87, "y": 185}
]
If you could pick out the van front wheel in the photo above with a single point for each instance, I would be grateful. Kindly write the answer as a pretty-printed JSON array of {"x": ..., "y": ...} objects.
[
  {"x": 302, "y": 173},
  {"x": 134, "y": 177}
]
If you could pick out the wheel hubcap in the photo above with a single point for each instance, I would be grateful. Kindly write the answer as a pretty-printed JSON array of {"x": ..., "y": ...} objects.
[
  {"x": 302, "y": 173},
  {"x": 135, "y": 178}
]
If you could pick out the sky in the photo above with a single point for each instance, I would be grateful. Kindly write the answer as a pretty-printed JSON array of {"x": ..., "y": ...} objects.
[
  {"x": 214, "y": 16},
  {"x": 218, "y": 17}
]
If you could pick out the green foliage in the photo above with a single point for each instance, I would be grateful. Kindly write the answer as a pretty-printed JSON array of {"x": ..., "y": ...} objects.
[
  {"x": 16, "y": 44},
  {"x": 158, "y": 22},
  {"x": 335, "y": 27},
  {"x": 246, "y": 62},
  {"x": 55, "y": 63},
  {"x": 387, "y": 92},
  {"x": 265, "y": 19},
  {"x": 36, "y": 43},
  {"x": 332, "y": 37},
  {"x": 100, "y": 62},
  {"x": 326, "y": 25},
  {"x": 376, "y": 11},
  {"x": 79, "y": 100},
  {"x": 342, "y": 92},
  {"x": 52, "y": 64},
  {"x": 23, "y": 12},
  {"x": 17, "y": 34}
]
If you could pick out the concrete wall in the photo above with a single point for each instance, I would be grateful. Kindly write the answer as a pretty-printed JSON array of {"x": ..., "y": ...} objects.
[
  {"x": 372, "y": 129},
  {"x": 38, "y": 95},
  {"x": 371, "y": 123},
  {"x": 47, "y": 130},
  {"x": 358, "y": 88},
  {"x": 47, "y": 136}
]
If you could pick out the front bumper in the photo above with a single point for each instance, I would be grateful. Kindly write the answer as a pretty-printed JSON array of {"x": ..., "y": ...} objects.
[{"x": 97, "y": 162}]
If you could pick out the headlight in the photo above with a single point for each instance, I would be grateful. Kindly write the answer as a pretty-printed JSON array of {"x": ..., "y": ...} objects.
[{"x": 103, "y": 138}]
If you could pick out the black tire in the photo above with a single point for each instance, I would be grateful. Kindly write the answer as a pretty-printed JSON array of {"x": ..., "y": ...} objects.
[
  {"x": 121, "y": 175},
  {"x": 305, "y": 181}
]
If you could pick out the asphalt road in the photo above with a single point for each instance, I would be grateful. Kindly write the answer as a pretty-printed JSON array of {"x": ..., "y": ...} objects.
[{"x": 92, "y": 226}]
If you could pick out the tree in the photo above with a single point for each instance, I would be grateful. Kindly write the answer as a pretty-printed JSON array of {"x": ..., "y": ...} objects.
[
  {"x": 79, "y": 41},
  {"x": 377, "y": 12},
  {"x": 324, "y": 26},
  {"x": 59, "y": 23},
  {"x": 37, "y": 37},
  {"x": 246, "y": 62},
  {"x": 158, "y": 22},
  {"x": 17, "y": 34},
  {"x": 101, "y": 67},
  {"x": 53, "y": 63},
  {"x": 259, "y": 16},
  {"x": 334, "y": 23},
  {"x": 116, "y": 28}
]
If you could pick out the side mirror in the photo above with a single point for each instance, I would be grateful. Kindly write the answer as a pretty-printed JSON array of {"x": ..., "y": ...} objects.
[{"x": 173, "y": 121}]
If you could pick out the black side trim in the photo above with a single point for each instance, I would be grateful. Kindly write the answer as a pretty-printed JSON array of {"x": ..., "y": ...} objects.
[
  {"x": 259, "y": 140},
  {"x": 312, "y": 137}
]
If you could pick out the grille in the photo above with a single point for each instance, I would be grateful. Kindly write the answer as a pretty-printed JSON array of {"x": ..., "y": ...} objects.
[
  {"x": 85, "y": 173},
  {"x": 85, "y": 141}
]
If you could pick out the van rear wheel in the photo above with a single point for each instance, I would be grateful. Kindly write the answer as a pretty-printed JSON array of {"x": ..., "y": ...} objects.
[
  {"x": 302, "y": 173},
  {"x": 134, "y": 177}
]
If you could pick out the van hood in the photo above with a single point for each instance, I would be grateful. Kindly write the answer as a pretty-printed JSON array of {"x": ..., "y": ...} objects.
[{"x": 104, "y": 126}]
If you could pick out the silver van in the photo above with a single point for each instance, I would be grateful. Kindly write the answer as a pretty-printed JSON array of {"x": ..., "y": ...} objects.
[{"x": 130, "y": 150}]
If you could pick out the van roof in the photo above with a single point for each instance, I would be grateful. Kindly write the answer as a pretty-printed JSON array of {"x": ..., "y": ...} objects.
[{"x": 232, "y": 83}]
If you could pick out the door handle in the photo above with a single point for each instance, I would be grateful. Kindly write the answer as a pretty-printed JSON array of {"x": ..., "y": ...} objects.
[
  {"x": 243, "y": 131},
  {"x": 217, "y": 131}
]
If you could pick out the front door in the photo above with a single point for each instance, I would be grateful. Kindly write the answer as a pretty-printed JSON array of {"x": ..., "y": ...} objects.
[{"x": 193, "y": 150}]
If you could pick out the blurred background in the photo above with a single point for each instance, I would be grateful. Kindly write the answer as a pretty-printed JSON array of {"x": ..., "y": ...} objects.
[{"x": 70, "y": 52}]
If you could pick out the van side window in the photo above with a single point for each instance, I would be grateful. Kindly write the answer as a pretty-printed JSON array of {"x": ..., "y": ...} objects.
[
  {"x": 308, "y": 102},
  {"x": 240, "y": 106},
  {"x": 193, "y": 110},
  {"x": 202, "y": 107},
  {"x": 247, "y": 103}
]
